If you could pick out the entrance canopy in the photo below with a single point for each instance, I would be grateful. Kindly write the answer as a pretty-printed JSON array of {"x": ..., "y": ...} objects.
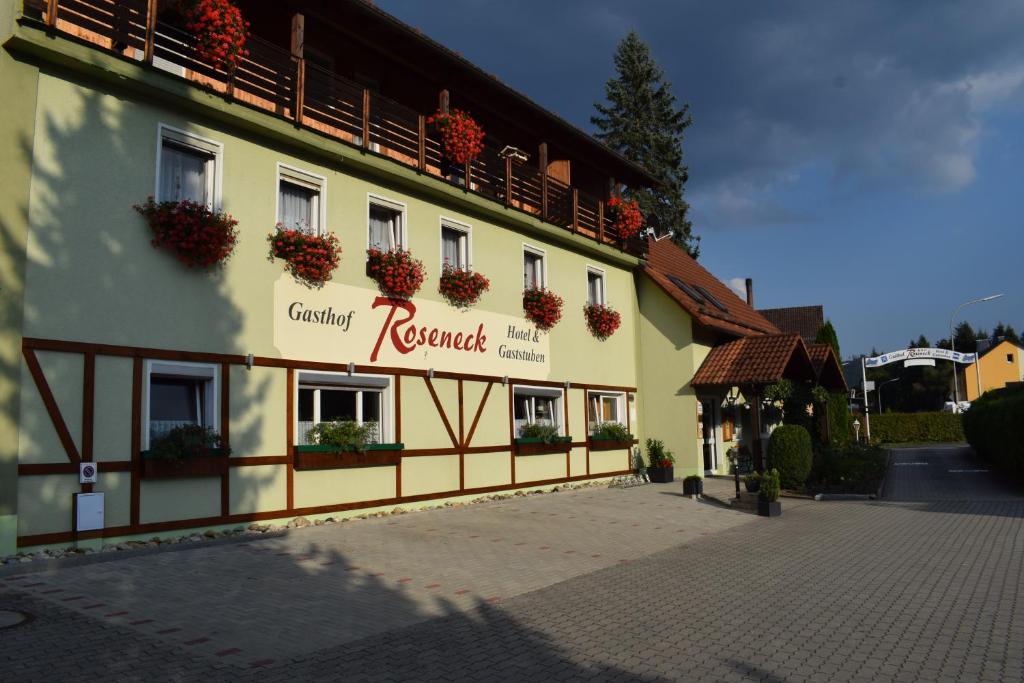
[{"x": 766, "y": 359}]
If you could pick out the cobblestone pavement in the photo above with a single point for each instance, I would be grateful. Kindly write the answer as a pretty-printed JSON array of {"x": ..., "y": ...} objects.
[{"x": 926, "y": 590}]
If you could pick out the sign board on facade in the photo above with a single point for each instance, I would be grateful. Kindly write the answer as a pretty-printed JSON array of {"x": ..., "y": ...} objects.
[
  {"x": 914, "y": 362},
  {"x": 346, "y": 324},
  {"x": 910, "y": 354}
]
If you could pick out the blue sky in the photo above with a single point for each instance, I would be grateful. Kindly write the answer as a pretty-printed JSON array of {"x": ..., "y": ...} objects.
[{"x": 865, "y": 156}]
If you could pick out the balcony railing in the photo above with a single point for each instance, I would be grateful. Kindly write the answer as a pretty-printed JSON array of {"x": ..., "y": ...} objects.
[{"x": 273, "y": 80}]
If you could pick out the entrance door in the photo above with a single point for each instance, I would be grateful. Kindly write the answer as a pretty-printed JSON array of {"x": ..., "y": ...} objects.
[{"x": 708, "y": 423}]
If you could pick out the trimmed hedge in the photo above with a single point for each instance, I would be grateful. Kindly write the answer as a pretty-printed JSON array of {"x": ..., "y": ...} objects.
[
  {"x": 994, "y": 426},
  {"x": 789, "y": 452},
  {"x": 915, "y": 428},
  {"x": 852, "y": 469}
]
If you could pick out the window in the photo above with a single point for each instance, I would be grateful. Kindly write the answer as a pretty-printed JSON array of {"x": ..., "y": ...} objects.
[
  {"x": 595, "y": 286},
  {"x": 714, "y": 302},
  {"x": 455, "y": 249},
  {"x": 330, "y": 397},
  {"x": 179, "y": 394},
  {"x": 606, "y": 407},
  {"x": 536, "y": 405},
  {"x": 1009, "y": 358},
  {"x": 387, "y": 224},
  {"x": 534, "y": 268},
  {"x": 187, "y": 168},
  {"x": 690, "y": 291},
  {"x": 300, "y": 202}
]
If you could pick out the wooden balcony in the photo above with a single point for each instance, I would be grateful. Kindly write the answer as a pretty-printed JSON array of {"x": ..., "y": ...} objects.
[{"x": 275, "y": 81}]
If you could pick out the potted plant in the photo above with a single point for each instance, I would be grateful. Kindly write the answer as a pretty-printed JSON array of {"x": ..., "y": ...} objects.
[
  {"x": 661, "y": 469},
  {"x": 397, "y": 273},
  {"x": 602, "y": 321},
  {"x": 311, "y": 259},
  {"x": 693, "y": 485},
  {"x": 185, "y": 451},
  {"x": 768, "y": 504},
  {"x": 345, "y": 443},
  {"x": 198, "y": 237},
  {"x": 540, "y": 438},
  {"x": 462, "y": 138},
  {"x": 626, "y": 217},
  {"x": 219, "y": 30},
  {"x": 542, "y": 307},
  {"x": 460, "y": 287},
  {"x": 752, "y": 481},
  {"x": 609, "y": 436}
]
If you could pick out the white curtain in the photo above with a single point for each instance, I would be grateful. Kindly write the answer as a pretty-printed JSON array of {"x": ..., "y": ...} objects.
[
  {"x": 532, "y": 270},
  {"x": 594, "y": 293},
  {"x": 450, "y": 251},
  {"x": 295, "y": 207},
  {"x": 383, "y": 228},
  {"x": 182, "y": 175}
]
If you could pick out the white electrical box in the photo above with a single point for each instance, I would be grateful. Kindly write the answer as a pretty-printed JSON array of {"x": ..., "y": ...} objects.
[
  {"x": 87, "y": 473},
  {"x": 88, "y": 511}
]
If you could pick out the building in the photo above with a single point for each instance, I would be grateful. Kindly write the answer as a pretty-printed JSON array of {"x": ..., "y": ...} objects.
[
  {"x": 998, "y": 365},
  {"x": 804, "y": 320},
  {"x": 109, "y": 344}
]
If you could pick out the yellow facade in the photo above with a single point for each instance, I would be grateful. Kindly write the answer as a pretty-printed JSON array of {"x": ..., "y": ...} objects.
[{"x": 996, "y": 368}]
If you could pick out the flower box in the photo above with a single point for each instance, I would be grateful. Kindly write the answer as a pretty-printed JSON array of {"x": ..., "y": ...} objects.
[
  {"x": 534, "y": 445},
  {"x": 213, "y": 465},
  {"x": 769, "y": 508},
  {"x": 331, "y": 458},
  {"x": 603, "y": 443},
  {"x": 661, "y": 475}
]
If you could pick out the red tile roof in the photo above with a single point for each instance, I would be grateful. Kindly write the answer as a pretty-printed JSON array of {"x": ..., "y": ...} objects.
[
  {"x": 804, "y": 320},
  {"x": 762, "y": 359},
  {"x": 665, "y": 260},
  {"x": 827, "y": 367}
]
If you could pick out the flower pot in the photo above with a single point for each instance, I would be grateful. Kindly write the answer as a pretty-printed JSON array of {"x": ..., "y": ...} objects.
[
  {"x": 331, "y": 458},
  {"x": 752, "y": 486},
  {"x": 693, "y": 487},
  {"x": 598, "y": 443},
  {"x": 537, "y": 446},
  {"x": 767, "y": 508},
  {"x": 661, "y": 475},
  {"x": 166, "y": 468}
]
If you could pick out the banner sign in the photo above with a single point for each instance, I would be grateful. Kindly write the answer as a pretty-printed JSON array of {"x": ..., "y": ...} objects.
[
  {"x": 345, "y": 324},
  {"x": 910, "y": 354},
  {"x": 915, "y": 362}
]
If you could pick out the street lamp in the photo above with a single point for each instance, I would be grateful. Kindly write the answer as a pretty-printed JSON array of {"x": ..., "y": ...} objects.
[
  {"x": 888, "y": 381},
  {"x": 952, "y": 343}
]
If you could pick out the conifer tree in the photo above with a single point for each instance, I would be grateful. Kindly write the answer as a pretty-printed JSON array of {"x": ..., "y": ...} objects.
[
  {"x": 642, "y": 122},
  {"x": 827, "y": 335}
]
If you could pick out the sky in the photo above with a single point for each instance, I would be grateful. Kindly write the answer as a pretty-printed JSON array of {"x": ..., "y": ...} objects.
[{"x": 864, "y": 156}]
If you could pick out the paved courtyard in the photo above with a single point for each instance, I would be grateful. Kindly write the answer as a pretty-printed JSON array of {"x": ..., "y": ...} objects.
[{"x": 638, "y": 584}]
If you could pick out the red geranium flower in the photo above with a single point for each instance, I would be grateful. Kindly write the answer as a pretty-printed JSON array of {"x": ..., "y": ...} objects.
[
  {"x": 311, "y": 259},
  {"x": 397, "y": 273},
  {"x": 542, "y": 307},
  {"x": 462, "y": 288},
  {"x": 626, "y": 217},
  {"x": 219, "y": 30},
  {"x": 199, "y": 237},
  {"x": 461, "y": 136},
  {"x": 602, "y": 321}
]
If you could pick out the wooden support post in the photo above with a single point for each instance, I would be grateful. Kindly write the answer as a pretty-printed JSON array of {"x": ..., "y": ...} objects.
[
  {"x": 421, "y": 142},
  {"x": 299, "y": 54},
  {"x": 51, "y": 13},
  {"x": 542, "y": 163},
  {"x": 366, "y": 118},
  {"x": 600, "y": 221},
  {"x": 508, "y": 181},
  {"x": 575, "y": 210},
  {"x": 755, "y": 427},
  {"x": 151, "y": 12},
  {"x": 442, "y": 102},
  {"x": 469, "y": 174}
]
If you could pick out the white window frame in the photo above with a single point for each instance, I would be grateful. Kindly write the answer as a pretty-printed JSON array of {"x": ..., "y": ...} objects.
[
  {"x": 620, "y": 406},
  {"x": 546, "y": 392},
  {"x": 347, "y": 382},
  {"x": 385, "y": 203},
  {"x": 201, "y": 145},
  {"x": 600, "y": 272},
  {"x": 205, "y": 371},
  {"x": 313, "y": 181},
  {"x": 536, "y": 251},
  {"x": 467, "y": 244}
]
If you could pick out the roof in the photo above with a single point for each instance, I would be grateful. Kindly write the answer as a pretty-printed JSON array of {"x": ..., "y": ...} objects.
[
  {"x": 668, "y": 264},
  {"x": 827, "y": 367},
  {"x": 457, "y": 61},
  {"x": 999, "y": 343},
  {"x": 804, "y": 320},
  {"x": 763, "y": 359}
]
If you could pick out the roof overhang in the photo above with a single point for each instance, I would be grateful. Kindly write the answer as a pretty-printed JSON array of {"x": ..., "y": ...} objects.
[{"x": 755, "y": 362}]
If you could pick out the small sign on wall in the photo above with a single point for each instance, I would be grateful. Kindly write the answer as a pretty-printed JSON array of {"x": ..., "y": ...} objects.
[
  {"x": 88, "y": 511},
  {"x": 88, "y": 473}
]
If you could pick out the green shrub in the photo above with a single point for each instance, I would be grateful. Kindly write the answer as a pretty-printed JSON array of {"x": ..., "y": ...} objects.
[
  {"x": 915, "y": 428},
  {"x": 693, "y": 477},
  {"x": 994, "y": 426},
  {"x": 854, "y": 469},
  {"x": 840, "y": 433},
  {"x": 346, "y": 435},
  {"x": 769, "y": 490},
  {"x": 789, "y": 452},
  {"x": 612, "y": 431},
  {"x": 187, "y": 441},
  {"x": 752, "y": 479},
  {"x": 658, "y": 455},
  {"x": 543, "y": 431}
]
